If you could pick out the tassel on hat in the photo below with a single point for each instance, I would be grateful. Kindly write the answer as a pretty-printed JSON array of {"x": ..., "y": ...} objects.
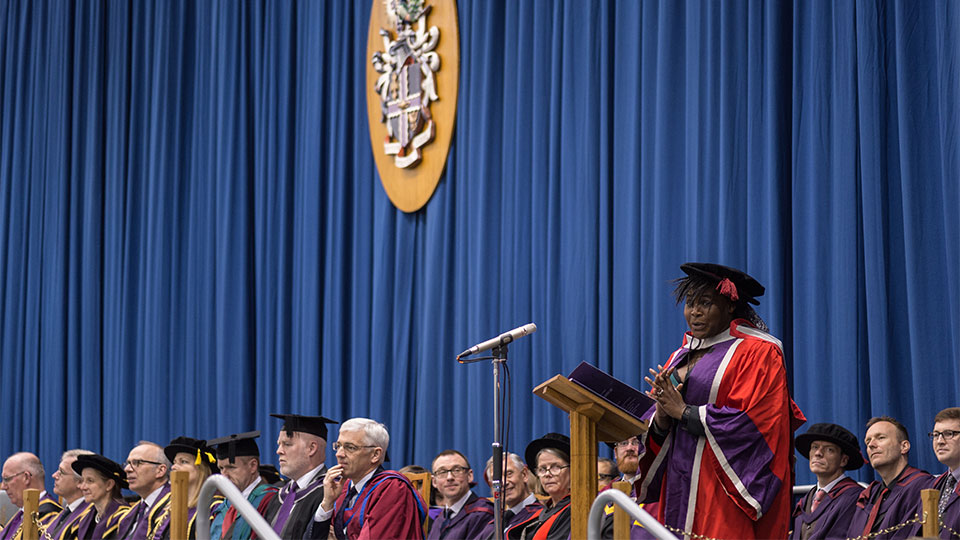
[{"x": 728, "y": 289}]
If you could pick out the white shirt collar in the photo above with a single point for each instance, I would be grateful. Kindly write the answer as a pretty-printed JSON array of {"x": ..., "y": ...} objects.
[
  {"x": 304, "y": 480},
  {"x": 459, "y": 504},
  {"x": 75, "y": 504},
  {"x": 249, "y": 489},
  {"x": 829, "y": 486},
  {"x": 151, "y": 498},
  {"x": 531, "y": 498},
  {"x": 363, "y": 481}
]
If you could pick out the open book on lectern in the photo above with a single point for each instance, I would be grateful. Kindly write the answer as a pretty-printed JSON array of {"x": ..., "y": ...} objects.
[{"x": 612, "y": 390}]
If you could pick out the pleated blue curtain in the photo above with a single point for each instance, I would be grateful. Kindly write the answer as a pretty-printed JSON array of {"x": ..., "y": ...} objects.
[{"x": 193, "y": 234}]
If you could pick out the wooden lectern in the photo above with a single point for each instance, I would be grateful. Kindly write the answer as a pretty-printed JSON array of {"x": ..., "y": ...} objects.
[{"x": 592, "y": 420}]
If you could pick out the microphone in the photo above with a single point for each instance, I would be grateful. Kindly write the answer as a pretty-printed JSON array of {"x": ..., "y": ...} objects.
[{"x": 502, "y": 339}]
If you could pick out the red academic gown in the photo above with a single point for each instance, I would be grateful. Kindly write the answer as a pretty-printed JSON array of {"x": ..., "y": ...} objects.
[
  {"x": 740, "y": 468},
  {"x": 388, "y": 507}
]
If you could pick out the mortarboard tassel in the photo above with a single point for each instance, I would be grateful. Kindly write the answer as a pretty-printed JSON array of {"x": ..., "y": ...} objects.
[
  {"x": 197, "y": 462},
  {"x": 728, "y": 289}
]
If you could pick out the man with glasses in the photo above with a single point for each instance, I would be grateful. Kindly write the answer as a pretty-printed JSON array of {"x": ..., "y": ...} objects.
[
  {"x": 465, "y": 514},
  {"x": 360, "y": 497},
  {"x": 627, "y": 454},
  {"x": 22, "y": 471},
  {"x": 895, "y": 499},
  {"x": 606, "y": 473},
  {"x": 66, "y": 484},
  {"x": 148, "y": 474},
  {"x": 946, "y": 445},
  {"x": 302, "y": 450}
]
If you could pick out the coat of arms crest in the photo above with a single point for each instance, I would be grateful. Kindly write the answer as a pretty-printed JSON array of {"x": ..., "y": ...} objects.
[{"x": 406, "y": 84}]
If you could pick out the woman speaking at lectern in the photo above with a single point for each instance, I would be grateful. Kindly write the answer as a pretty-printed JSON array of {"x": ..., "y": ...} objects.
[{"x": 718, "y": 453}]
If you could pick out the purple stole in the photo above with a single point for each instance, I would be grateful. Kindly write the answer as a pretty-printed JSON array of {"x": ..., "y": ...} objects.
[
  {"x": 63, "y": 525},
  {"x": 12, "y": 527},
  {"x": 90, "y": 528},
  {"x": 290, "y": 495},
  {"x": 134, "y": 527}
]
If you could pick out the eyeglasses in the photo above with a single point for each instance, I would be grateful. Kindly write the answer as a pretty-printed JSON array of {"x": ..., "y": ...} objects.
[
  {"x": 350, "y": 448},
  {"x": 947, "y": 434},
  {"x": 8, "y": 479},
  {"x": 606, "y": 476},
  {"x": 67, "y": 473},
  {"x": 457, "y": 471},
  {"x": 554, "y": 470},
  {"x": 632, "y": 441},
  {"x": 136, "y": 463}
]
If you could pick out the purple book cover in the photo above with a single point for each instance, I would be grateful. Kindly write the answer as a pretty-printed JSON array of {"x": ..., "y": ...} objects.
[{"x": 619, "y": 394}]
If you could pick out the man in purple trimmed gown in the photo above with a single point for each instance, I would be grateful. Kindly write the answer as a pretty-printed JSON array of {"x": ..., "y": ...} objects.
[
  {"x": 148, "y": 475},
  {"x": 946, "y": 445},
  {"x": 21, "y": 471},
  {"x": 66, "y": 484},
  {"x": 302, "y": 450},
  {"x": 826, "y": 511},
  {"x": 466, "y": 514},
  {"x": 890, "y": 503}
]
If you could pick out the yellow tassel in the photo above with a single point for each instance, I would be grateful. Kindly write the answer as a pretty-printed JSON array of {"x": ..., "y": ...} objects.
[{"x": 197, "y": 462}]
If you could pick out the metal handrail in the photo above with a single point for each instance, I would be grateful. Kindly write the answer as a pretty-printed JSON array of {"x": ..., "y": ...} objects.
[
  {"x": 620, "y": 499},
  {"x": 220, "y": 483}
]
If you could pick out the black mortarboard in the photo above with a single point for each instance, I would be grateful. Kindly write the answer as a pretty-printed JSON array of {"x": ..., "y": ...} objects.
[
  {"x": 550, "y": 440},
  {"x": 270, "y": 474},
  {"x": 832, "y": 433},
  {"x": 197, "y": 447},
  {"x": 744, "y": 287},
  {"x": 238, "y": 444},
  {"x": 315, "y": 425},
  {"x": 108, "y": 467}
]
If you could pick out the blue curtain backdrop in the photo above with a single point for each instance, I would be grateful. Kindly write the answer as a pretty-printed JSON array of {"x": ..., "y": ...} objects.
[{"x": 193, "y": 234}]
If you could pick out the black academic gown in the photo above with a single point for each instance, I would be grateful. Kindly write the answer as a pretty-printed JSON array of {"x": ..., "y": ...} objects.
[{"x": 302, "y": 514}]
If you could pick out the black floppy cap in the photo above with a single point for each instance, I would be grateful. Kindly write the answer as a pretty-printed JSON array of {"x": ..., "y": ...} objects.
[
  {"x": 832, "y": 433},
  {"x": 747, "y": 288},
  {"x": 110, "y": 469},
  {"x": 315, "y": 425},
  {"x": 196, "y": 447},
  {"x": 238, "y": 444},
  {"x": 557, "y": 441}
]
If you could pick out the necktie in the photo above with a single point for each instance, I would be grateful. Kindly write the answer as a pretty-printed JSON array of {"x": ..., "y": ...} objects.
[
  {"x": 142, "y": 524},
  {"x": 507, "y": 516},
  {"x": 284, "y": 513},
  {"x": 947, "y": 490},
  {"x": 61, "y": 519},
  {"x": 817, "y": 498}
]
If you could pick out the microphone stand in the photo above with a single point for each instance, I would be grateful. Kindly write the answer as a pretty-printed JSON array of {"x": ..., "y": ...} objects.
[{"x": 498, "y": 356}]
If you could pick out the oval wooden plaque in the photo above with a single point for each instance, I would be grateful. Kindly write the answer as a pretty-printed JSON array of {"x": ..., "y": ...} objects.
[{"x": 410, "y": 187}]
